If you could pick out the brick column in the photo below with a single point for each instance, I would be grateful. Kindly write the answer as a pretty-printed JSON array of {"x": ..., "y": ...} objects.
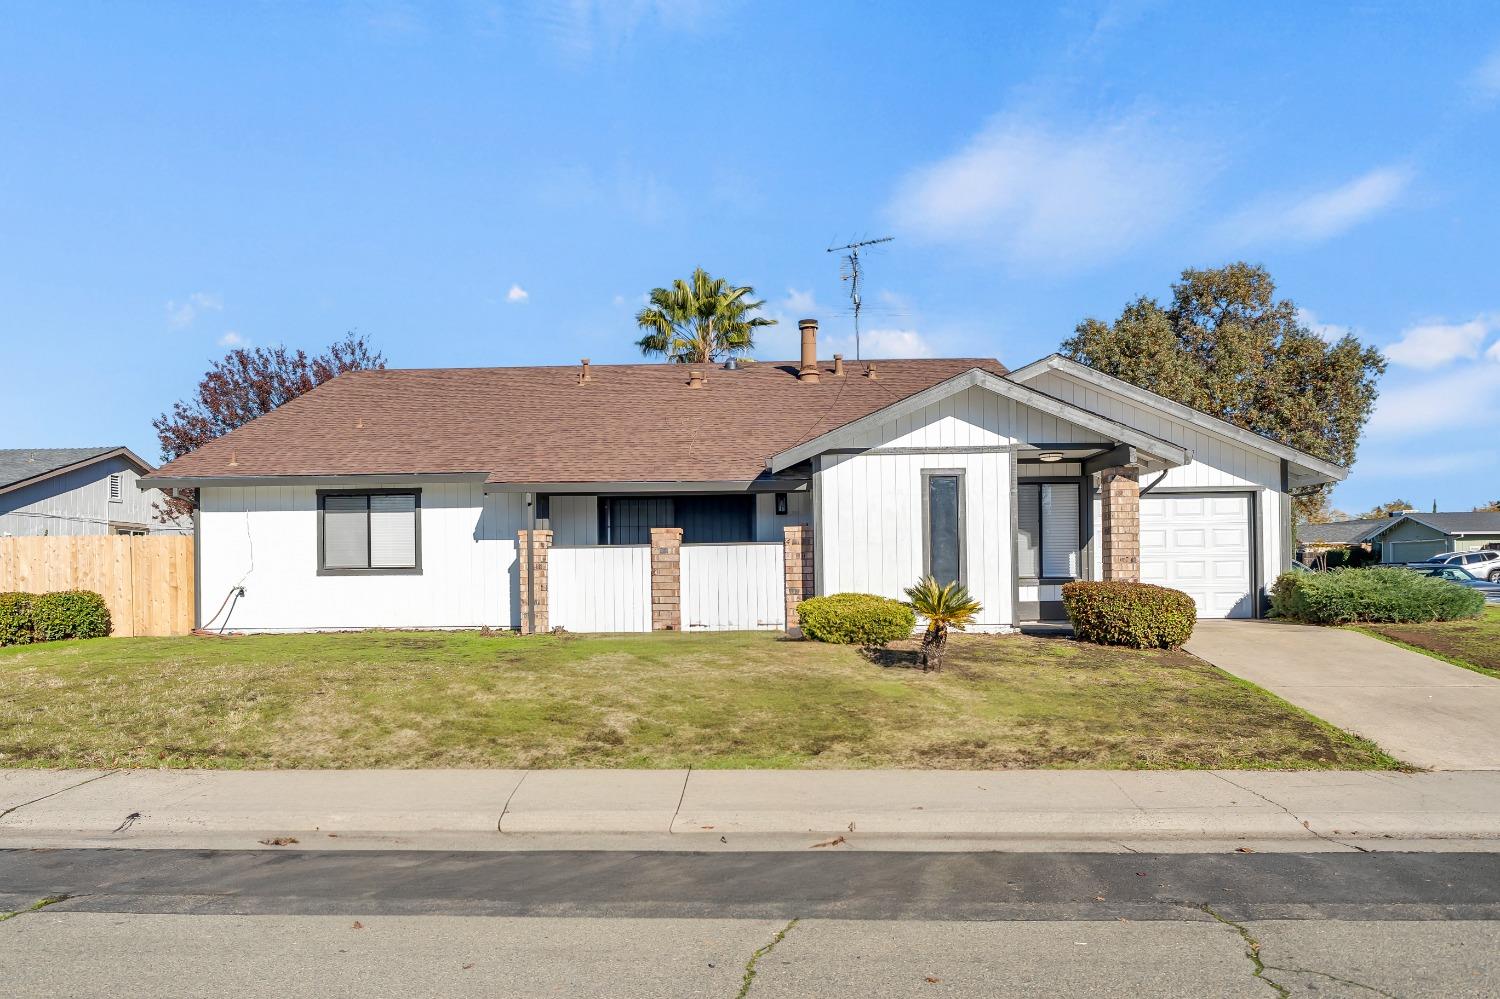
[
  {"x": 1120, "y": 527},
  {"x": 666, "y": 579},
  {"x": 533, "y": 579},
  {"x": 798, "y": 557}
]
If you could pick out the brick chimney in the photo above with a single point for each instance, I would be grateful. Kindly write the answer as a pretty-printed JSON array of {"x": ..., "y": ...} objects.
[{"x": 807, "y": 371}]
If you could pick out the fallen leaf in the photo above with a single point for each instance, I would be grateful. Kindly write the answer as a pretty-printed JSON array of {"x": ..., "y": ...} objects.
[
  {"x": 468, "y": 966},
  {"x": 358, "y": 925},
  {"x": 829, "y": 842},
  {"x": 723, "y": 839},
  {"x": 333, "y": 835},
  {"x": 931, "y": 981},
  {"x": 1098, "y": 898},
  {"x": 279, "y": 841},
  {"x": 851, "y": 827},
  {"x": 1243, "y": 849},
  {"x": 705, "y": 827}
]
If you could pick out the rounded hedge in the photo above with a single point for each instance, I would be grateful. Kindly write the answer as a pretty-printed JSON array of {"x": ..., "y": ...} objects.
[
  {"x": 1138, "y": 615},
  {"x": 1387, "y": 594},
  {"x": 69, "y": 614},
  {"x": 856, "y": 619},
  {"x": 16, "y": 624}
]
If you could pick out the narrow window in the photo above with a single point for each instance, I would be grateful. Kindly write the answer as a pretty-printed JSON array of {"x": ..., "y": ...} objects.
[
  {"x": 1047, "y": 533},
  {"x": 1029, "y": 532},
  {"x": 370, "y": 532},
  {"x": 944, "y": 528},
  {"x": 115, "y": 488}
]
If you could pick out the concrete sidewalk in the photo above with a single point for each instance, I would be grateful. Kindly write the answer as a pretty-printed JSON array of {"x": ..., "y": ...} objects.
[
  {"x": 1419, "y": 709},
  {"x": 747, "y": 809}
]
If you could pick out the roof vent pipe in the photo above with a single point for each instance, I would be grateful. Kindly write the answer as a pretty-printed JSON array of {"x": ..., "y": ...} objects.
[
  {"x": 807, "y": 371},
  {"x": 583, "y": 375},
  {"x": 695, "y": 379},
  {"x": 731, "y": 365},
  {"x": 838, "y": 365},
  {"x": 870, "y": 371}
]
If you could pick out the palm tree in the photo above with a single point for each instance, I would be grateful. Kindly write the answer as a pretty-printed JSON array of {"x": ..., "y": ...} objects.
[
  {"x": 699, "y": 322},
  {"x": 944, "y": 606}
]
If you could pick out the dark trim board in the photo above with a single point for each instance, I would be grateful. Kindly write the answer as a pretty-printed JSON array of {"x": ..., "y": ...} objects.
[
  {"x": 412, "y": 570},
  {"x": 1052, "y": 610},
  {"x": 927, "y": 475}
]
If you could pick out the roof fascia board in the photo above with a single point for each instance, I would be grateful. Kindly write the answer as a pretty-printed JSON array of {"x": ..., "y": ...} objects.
[
  {"x": 706, "y": 486},
  {"x": 370, "y": 479},
  {"x": 120, "y": 452},
  {"x": 1204, "y": 421},
  {"x": 1051, "y": 405}
]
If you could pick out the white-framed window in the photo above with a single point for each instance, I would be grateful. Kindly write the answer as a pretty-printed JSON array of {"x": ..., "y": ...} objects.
[
  {"x": 371, "y": 532},
  {"x": 116, "y": 487},
  {"x": 1047, "y": 530}
]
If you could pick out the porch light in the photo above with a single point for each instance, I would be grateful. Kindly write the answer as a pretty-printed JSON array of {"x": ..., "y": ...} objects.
[{"x": 1050, "y": 456}]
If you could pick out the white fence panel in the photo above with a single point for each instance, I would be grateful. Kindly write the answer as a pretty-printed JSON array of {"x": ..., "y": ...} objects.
[
  {"x": 599, "y": 588},
  {"x": 739, "y": 587}
]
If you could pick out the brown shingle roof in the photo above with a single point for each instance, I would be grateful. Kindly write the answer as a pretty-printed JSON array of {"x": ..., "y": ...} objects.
[{"x": 630, "y": 422}]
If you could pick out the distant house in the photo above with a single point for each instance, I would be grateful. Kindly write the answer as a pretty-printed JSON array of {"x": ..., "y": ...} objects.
[
  {"x": 76, "y": 490},
  {"x": 1403, "y": 537}
]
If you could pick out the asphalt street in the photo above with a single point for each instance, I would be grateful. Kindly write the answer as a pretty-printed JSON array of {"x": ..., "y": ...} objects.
[{"x": 280, "y": 922}]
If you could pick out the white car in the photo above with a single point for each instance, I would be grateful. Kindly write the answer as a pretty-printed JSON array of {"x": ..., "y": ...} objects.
[{"x": 1484, "y": 563}]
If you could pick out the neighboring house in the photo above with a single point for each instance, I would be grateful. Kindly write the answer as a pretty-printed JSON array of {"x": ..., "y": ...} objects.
[
  {"x": 76, "y": 490},
  {"x": 640, "y": 496},
  {"x": 1414, "y": 536},
  {"x": 1350, "y": 538}
]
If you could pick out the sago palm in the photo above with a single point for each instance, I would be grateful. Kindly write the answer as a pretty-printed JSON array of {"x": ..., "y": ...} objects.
[
  {"x": 944, "y": 606},
  {"x": 700, "y": 320}
]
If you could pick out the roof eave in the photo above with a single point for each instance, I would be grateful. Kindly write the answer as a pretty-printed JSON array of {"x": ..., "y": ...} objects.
[{"x": 142, "y": 467}]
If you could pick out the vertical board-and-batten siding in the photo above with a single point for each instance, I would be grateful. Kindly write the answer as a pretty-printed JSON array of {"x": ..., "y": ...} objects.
[
  {"x": 266, "y": 538},
  {"x": 599, "y": 589},
  {"x": 77, "y": 503},
  {"x": 733, "y": 587}
]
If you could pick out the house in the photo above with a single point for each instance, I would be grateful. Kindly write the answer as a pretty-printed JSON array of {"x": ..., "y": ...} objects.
[
  {"x": 1340, "y": 542},
  {"x": 76, "y": 490},
  {"x": 658, "y": 496},
  {"x": 1414, "y": 536}
]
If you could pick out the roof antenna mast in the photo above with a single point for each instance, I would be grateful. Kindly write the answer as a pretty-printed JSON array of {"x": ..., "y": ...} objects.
[{"x": 852, "y": 274}]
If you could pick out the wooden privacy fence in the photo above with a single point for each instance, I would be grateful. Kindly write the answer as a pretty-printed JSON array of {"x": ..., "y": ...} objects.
[{"x": 146, "y": 581}]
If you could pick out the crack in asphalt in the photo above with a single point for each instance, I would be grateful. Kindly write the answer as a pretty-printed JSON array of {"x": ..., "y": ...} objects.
[
  {"x": 36, "y": 906},
  {"x": 1334, "y": 978},
  {"x": 1252, "y": 951},
  {"x": 749, "y": 978}
]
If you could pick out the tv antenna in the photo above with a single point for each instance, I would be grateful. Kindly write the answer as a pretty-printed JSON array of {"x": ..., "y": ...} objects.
[{"x": 852, "y": 275}]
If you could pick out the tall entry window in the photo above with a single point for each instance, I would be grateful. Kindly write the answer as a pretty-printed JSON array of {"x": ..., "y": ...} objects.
[
  {"x": 369, "y": 532},
  {"x": 1047, "y": 527},
  {"x": 943, "y": 506}
]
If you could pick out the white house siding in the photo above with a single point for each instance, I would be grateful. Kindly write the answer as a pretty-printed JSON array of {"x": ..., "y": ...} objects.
[
  {"x": 1218, "y": 463},
  {"x": 266, "y": 537},
  {"x": 733, "y": 587},
  {"x": 78, "y": 503},
  {"x": 769, "y": 526},
  {"x": 574, "y": 519}
]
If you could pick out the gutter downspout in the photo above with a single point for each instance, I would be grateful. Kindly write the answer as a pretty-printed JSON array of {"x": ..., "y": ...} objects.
[{"x": 1153, "y": 485}]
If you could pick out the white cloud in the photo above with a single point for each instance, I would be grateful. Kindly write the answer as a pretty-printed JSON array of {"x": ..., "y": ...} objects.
[
  {"x": 1486, "y": 78},
  {"x": 517, "y": 294},
  {"x": 1461, "y": 400},
  {"x": 1034, "y": 194},
  {"x": 879, "y": 343},
  {"x": 1320, "y": 214},
  {"x": 579, "y": 27},
  {"x": 802, "y": 304},
  {"x": 231, "y": 339},
  {"x": 181, "y": 315},
  {"x": 1433, "y": 344},
  {"x": 1331, "y": 332},
  {"x": 1493, "y": 354}
]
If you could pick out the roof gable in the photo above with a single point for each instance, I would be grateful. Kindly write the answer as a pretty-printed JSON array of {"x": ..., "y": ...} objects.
[
  {"x": 22, "y": 467},
  {"x": 1451, "y": 524}
]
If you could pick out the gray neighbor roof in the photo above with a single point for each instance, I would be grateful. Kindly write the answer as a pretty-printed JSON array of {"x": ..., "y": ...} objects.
[
  {"x": 1354, "y": 532},
  {"x": 1343, "y": 532},
  {"x": 1474, "y": 522},
  {"x": 23, "y": 463}
]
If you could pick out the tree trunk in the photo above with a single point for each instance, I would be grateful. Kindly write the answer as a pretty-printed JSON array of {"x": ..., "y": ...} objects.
[{"x": 934, "y": 646}]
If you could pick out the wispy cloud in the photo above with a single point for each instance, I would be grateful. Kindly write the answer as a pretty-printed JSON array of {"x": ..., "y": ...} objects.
[
  {"x": 181, "y": 315},
  {"x": 1432, "y": 345},
  {"x": 1463, "y": 399},
  {"x": 517, "y": 295},
  {"x": 881, "y": 343},
  {"x": 1332, "y": 332},
  {"x": 580, "y": 28},
  {"x": 1038, "y": 195},
  {"x": 1318, "y": 215},
  {"x": 1485, "y": 79}
]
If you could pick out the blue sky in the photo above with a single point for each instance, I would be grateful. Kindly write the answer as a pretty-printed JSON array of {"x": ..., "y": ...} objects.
[{"x": 476, "y": 184}]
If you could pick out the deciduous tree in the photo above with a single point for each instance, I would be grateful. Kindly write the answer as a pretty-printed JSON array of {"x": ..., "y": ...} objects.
[
  {"x": 1226, "y": 345},
  {"x": 1388, "y": 509}
]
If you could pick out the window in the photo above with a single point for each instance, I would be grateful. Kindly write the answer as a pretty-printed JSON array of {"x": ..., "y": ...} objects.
[
  {"x": 370, "y": 532},
  {"x": 943, "y": 505},
  {"x": 628, "y": 520},
  {"x": 116, "y": 488},
  {"x": 1047, "y": 519}
]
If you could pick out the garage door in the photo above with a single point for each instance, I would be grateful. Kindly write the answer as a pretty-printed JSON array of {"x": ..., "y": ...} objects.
[{"x": 1199, "y": 543}]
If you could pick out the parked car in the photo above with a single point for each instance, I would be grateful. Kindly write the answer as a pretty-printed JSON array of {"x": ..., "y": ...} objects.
[
  {"x": 1461, "y": 576},
  {"x": 1484, "y": 563}
]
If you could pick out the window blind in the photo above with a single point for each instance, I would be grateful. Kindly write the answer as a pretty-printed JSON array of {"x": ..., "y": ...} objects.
[
  {"x": 393, "y": 531},
  {"x": 346, "y": 532},
  {"x": 1028, "y": 530},
  {"x": 1060, "y": 531}
]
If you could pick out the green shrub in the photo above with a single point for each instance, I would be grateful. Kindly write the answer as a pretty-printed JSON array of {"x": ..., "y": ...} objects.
[
  {"x": 1139, "y": 615},
  {"x": 1388, "y": 594},
  {"x": 16, "y": 624},
  {"x": 69, "y": 614},
  {"x": 856, "y": 619}
]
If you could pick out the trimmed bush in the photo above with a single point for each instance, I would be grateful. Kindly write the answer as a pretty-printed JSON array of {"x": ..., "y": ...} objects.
[
  {"x": 856, "y": 619},
  {"x": 1139, "y": 615},
  {"x": 1389, "y": 594},
  {"x": 69, "y": 614},
  {"x": 16, "y": 624}
]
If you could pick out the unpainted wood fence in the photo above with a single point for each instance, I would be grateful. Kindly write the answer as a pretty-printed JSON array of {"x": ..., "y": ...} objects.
[{"x": 147, "y": 582}]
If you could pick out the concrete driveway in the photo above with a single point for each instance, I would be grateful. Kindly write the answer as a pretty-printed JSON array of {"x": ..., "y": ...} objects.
[{"x": 1419, "y": 709}]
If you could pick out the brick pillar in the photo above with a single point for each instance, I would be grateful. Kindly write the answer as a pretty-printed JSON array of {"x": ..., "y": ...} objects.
[
  {"x": 533, "y": 579},
  {"x": 666, "y": 579},
  {"x": 798, "y": 556},
  {"x": 1120, "y": 527}
]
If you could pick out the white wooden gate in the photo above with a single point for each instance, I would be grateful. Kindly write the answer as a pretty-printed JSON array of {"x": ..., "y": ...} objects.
[
  {"x": 598, "y": 588},
  {"x": 734, "y": 587}
]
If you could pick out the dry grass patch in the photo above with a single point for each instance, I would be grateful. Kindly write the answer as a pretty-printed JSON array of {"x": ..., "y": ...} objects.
[
  {"x": 1473, "y": 643},
  {"x": 388, "y": 699}
]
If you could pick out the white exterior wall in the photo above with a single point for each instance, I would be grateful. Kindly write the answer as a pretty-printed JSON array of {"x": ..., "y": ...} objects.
[
  {"x": 266, "y": 539},
  {"x": 770, "y": 527}
]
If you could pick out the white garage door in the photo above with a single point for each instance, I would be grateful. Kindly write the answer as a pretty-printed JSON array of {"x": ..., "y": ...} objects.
[{"x": 1199, "y": 543}]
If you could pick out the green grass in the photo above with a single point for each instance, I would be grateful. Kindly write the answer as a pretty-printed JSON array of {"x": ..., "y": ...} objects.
[
  {"x": 1473, "y": 644},
  {"x": 394, "y": 699}
]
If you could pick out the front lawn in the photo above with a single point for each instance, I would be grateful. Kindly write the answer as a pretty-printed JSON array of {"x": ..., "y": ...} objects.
[
  {"x": 393, "y": 699},
  {"x": 1473, "y": 644}
]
